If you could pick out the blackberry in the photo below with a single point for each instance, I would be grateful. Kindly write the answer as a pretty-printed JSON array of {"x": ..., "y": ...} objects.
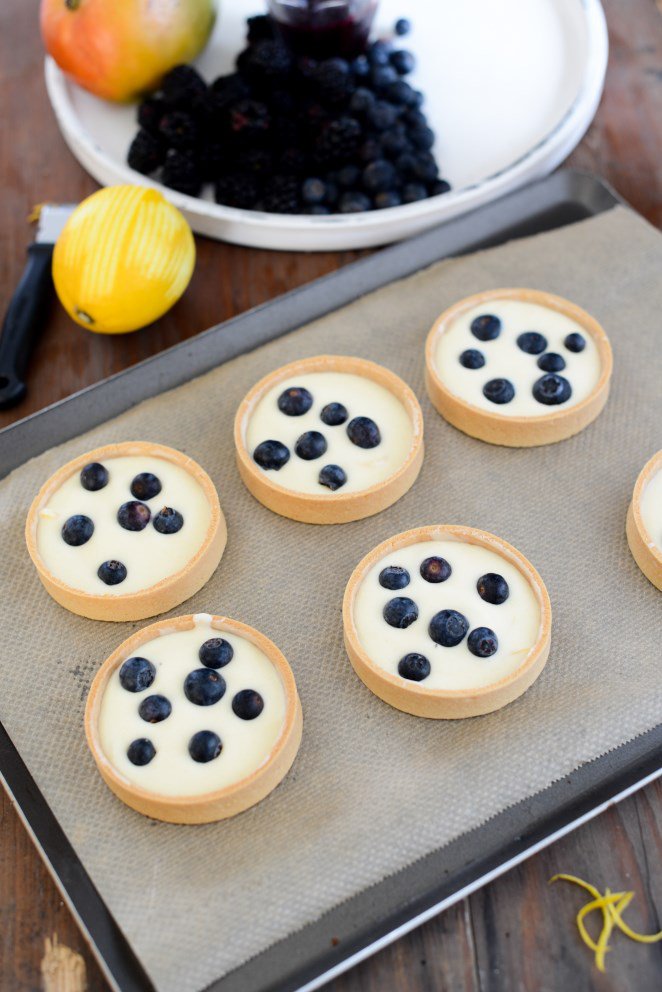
[
  {"x": 248, "y": 121},
  {"x": 353, "y": 202},
  {"x": 181, "y": 86},
  {"x": 178, "y": 129},
  {"x": 313, "y": 115},
  {"x": 280, "y": 195},
  {"x": 307, "y": 66},
  {"x": 236, "y": 190},
  {"x": 227, "y": 90},
  {"x": 212, "y": 159},
  {"x": 338, "y": 141},
  {"x": 260, "y": 28},
  {"x": 332, "y": 194},
  {"x": 254, "y": 162},
  {"x": 293, "y": 161},
  {"x": 348, "y": 176},
  {"x": 333, "y": 80},
  {"x": 281, "y": 102},
  {"x": 403, "y": 62},
  {"x": 146, "y": 153},
  {"x": 379, "y": 176},
  {"x": 181, "y": 172},
  {"x": 265, "y": 63},
  {"x": 286, "y": 134},
  {"x": 150, "y": 112}
]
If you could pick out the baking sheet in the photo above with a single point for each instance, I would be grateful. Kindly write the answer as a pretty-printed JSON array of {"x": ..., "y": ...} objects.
[{"x": 297, "y": 959}]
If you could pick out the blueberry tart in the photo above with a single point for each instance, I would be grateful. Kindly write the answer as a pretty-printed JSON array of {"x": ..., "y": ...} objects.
[
  {"x": 194, "y": 719},
  {"x": 329, "y": 439},
  {"x": 126, "y": 531},
  {"x": 518, "y": 367},
  {"x": 468, "y": 632},
  {"x": 644, "y": 520}
]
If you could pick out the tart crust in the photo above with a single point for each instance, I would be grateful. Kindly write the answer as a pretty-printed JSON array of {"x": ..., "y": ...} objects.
[
  {"x": 328, "y": 508},
  {"x": 647, "y": 556},
  {"x": 518, "y": 432},
  {"x": 447, "y": 704},
  {"x": 231, "y": 799},
  {"x": 163, "y": 595}
]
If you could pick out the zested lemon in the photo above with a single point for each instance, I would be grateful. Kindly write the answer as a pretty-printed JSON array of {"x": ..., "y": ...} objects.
[{"x": 123, "y": 258}]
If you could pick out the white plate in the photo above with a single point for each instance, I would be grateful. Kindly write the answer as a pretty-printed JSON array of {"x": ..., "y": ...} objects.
[{"x": 511, "y": 87}]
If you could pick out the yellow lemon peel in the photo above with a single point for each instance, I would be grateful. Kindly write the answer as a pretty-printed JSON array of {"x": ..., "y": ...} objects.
[{"x": 612, "y": 905}]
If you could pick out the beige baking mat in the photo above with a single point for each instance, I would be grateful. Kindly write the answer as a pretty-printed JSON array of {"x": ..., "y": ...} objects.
[{"x": 372, "y": 789}]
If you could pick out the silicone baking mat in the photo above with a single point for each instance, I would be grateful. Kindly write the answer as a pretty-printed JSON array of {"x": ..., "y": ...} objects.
[{"x": 453, "y": 802}]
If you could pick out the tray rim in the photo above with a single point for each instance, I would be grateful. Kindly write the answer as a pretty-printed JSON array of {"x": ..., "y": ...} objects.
[{"x": 102, "y": 933}]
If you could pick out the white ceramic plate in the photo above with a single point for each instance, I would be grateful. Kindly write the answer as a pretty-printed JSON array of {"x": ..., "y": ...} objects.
[{"x": 511, "y": 87}]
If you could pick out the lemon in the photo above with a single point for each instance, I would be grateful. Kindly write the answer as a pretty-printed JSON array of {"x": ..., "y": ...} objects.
[{"x": 123, "y": 258}]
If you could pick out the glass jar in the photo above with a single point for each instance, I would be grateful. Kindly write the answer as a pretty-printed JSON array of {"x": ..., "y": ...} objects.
[{"x": 324, "y": 28}]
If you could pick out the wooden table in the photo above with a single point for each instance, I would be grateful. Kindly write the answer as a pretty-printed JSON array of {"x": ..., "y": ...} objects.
[{"x": 518, "y": 933}]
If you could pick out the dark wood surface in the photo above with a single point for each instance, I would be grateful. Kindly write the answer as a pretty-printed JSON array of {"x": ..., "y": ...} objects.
[{"x": 517, "y": 933}]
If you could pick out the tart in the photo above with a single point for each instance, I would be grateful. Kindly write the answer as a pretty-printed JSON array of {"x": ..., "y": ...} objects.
[
  {"x": 446, "y": 622},
  {"x": 194, "y": 719},
  {"x": 518, "y": 367},
  {"x": 329, "y": 439},
  {"x": 644, "y": 520},
  {"x": 126, "y": 531}
]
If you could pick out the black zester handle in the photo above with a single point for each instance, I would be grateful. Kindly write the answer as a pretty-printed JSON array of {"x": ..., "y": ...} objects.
[{"x": 23, "y": 322}]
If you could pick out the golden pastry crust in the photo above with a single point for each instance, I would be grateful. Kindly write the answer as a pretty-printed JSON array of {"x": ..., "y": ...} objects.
[
  {"x": 646, "y": 554},
  {"x": 447, "y": 704},
  {"x": 331, "y": 508},
  {"x": 518, "y": 432},
  {"x": 222, "y": 803},
  {"x": 163, "y": 595}
]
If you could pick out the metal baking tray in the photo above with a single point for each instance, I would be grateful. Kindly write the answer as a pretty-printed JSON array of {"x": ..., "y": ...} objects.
[{"x": 383, "y": 912}]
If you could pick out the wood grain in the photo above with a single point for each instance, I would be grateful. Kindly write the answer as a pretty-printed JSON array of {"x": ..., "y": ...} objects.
[{"x": 516, "y": 935}]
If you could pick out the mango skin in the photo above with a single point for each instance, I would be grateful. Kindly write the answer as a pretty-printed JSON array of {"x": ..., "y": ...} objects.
[
  {"x": 123, "y": 258},
  {"x": 120, "y": 49}
]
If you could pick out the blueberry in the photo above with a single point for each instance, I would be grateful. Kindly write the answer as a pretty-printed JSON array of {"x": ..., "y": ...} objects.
[
  {"x": 552, "y": 389},
  {"x": 316, "y": 210},
  {"x": 378, "y": 53},
  {"x": 472, "y": 358},
  {"x": 400, "y": 612},
  {"x": 575, "y": 342},
  {"x": 415, "y": 118},
  {"x": 153, "y": 709},
  {"x": 112, "y": 572},
  {"x": 532, "y": 342},
  {"x": 486, "y": 327},
  {"x": 205, "y": 746},
  {"x": 499, "y": 390},
  {"x": 271, "y": 455},
  {"x": 361, "y": 100},
  {"x": 394, "y": 143},
  {"x": 402, "y": 93},
  {"x": 439, "y": 187},
  {"x": 414, "y": 667},
  {"x": 247, "y": 704},
  {"x": 424, "y": 167},
  {"x": 369, "y": 150},
  {"x": 378, "y": 176},
  {"x": 402, "y": 26},
  {"x": 332, "y": 476},
  {"x": 168, "y": 521},
  {"x": 381, "y": 115},
  {"x": 411, "y": 192},
  {"x": 94, "y": 477},
  {"x": 435, "y": 569},
  {"x": 312, "y": 191},
  {"x": 334, "y": 414},
  {"x": 422, "y": 137},
  {"x": 137, "y": 674},
  {"x": 353, "y": 203},
  {"x": 216, "y": 653},
  {"x": 204, "y": 687},
  {"x": 295, "y": 401},
  {"x": 361, "y": 67},
  {"x": 493, "y": 588},
  {"x": 133, "y": 515},
  {"x": 77, "y": 530},
  {"x": 348, "y": 176},
  {"x": 145, "y": 486},
  {"x": 551, "y": 362},
  {"x": 482, "y": 642},
  {"x": 363, "y": 432},
  {"x": 389, "y": 198},
  {"x": 448, "y": 628},
  {"x": 140, "y": 751},
  {"x": 382, "y": 76},
  {"x": 310, "y": 445},
  {"x": 403, "y": 62},
  {"x": 394, "y": 577}
]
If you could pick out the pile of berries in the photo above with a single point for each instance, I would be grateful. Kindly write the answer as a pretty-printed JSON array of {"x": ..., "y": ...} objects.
[{"x": 292, "y": 135}]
